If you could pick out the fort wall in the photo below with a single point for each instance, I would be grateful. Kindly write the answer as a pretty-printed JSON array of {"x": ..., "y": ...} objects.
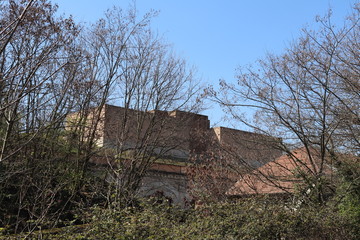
[{"x": 175, "y": 136}]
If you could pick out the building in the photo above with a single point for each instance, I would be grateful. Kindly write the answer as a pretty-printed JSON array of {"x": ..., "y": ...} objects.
[
  {"x": 281, "y": 176},
  {"x": 174, "y": 138}
]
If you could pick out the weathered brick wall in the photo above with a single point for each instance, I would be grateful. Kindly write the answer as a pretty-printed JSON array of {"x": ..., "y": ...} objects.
[
  {"x": 182, "y": 135},
  {"x": 173, "y": 131},
  {"x": 85, "y": 122},
  {"x": 251, "y": 148}
]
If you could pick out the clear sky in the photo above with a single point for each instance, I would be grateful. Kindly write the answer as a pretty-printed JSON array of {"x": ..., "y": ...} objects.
[{"x": 217, "y": 36}]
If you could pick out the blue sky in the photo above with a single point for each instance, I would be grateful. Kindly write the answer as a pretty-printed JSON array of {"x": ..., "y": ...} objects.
[{"x": 217, "y": 36}]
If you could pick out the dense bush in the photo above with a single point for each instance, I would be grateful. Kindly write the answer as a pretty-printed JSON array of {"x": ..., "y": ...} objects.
[{"x": 256, "y": 218}]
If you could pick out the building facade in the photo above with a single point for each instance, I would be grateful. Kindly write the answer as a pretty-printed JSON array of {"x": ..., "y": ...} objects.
[{"x": 175, "y": 139}]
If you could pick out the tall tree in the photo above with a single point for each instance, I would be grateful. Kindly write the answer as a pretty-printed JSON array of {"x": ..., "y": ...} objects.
[
  {"x": 40, "y": 61},
  {"x": 138, "y": 72},
  {"x": 34, "y": 51},
  {"x": 50, "y": 68},
  {"x": 307, "y": 96}
]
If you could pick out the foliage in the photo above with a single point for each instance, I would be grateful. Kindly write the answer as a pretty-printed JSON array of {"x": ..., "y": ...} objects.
[
  {"x": 348, "y": 194},
  {"x": 50, "y": 67},
  {"x": 256, "y": 218},
  {"x": 47, "y": 192}
]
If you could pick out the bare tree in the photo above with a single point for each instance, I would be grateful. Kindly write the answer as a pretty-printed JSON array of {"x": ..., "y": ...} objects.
[
  {"x": 229, "y": 154},
  {"x": 306, "y": 96},
  {"x": 130, "y": 66},
  {"x": 37, "y": 69},
  {"x": 34, "y": 51},
  {"x": 50, "y": 69}
]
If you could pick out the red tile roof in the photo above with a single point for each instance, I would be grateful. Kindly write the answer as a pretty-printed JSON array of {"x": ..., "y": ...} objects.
[{"x": 278, "y": 176}]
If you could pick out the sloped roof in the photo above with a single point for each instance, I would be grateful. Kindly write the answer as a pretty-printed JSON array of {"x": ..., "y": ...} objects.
[{"x": 278, "y": 176}]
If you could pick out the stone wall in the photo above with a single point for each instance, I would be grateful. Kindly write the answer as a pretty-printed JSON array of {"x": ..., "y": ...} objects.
[{"x": 168, "y": 184}]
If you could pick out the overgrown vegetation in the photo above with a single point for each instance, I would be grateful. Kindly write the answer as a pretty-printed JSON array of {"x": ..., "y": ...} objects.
[
  {"x": 253, "y": 218},
  {"x": 55, "y": 78},
  {"x": 51, "y": 67}
]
